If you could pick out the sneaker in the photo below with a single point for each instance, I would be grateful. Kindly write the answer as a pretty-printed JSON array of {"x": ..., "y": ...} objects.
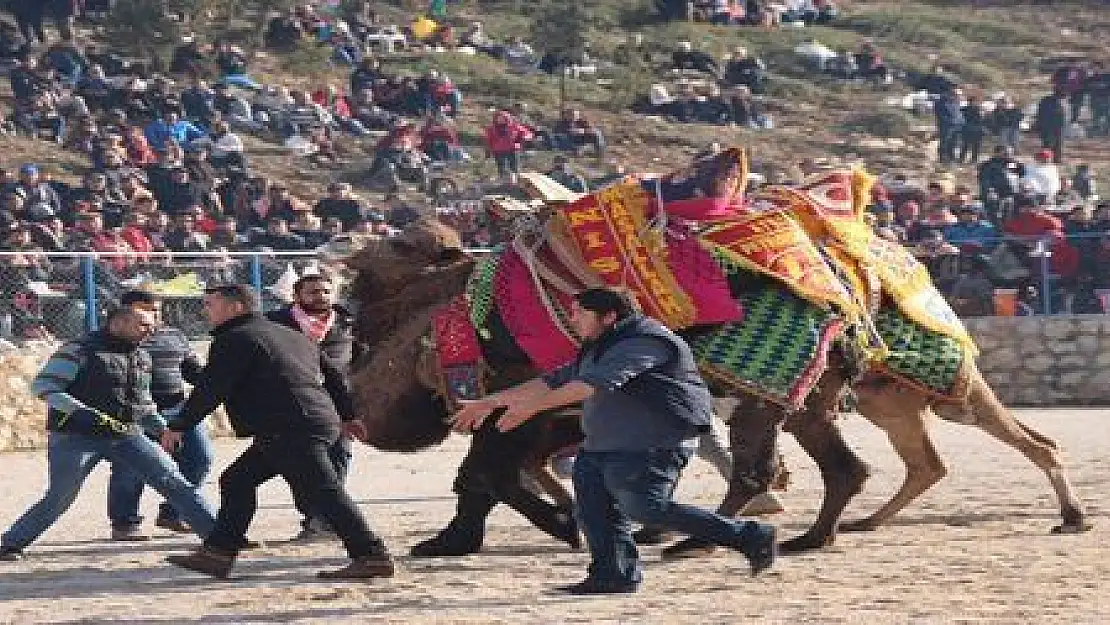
[
  {"x": 205, "y": 560},
  {"x": 11, "y": 554},
  {"x": 762, "y": 550},
  {"x": 591, "y": 586},
  {"x": 366, "y": 567},
  {"x": 174, "y": 525},
  {"x": 129, "y": 534}
]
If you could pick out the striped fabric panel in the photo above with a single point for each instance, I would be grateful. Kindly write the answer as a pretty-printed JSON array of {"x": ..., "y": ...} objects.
[{"x": 58, "y": 373}]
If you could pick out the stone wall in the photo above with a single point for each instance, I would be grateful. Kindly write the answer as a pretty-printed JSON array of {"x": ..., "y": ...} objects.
[{"x": 1045, "y": 361}]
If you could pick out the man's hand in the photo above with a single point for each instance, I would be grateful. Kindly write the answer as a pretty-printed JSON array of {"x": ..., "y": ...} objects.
[
  {"x": 171, "y": 440},
  {"x": 471, "y": 414},
  {"x": 515, "y": 416},
  {"x": 355, "y": 429}
]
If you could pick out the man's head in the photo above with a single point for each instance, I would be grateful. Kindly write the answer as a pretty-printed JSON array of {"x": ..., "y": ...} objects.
[
  {"x": 226, "y": 302},
  {"x": 596, "y": 310},
  {"x": 138, "y": 299},
  {"x": 314, "y": 293},
  {"x": 29, "y": 174},
  {"x": 130, "y": 324}
]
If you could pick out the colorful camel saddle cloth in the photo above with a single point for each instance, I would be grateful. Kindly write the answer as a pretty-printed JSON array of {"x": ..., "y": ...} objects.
[
  {"x": 458, "y": 352},
  {"x": 830, "y": 207},
  {"x": 778, "y": 352},
  {"x": 672, "y": 277},
  {"x": 773, "y": 244},
  {"x": 927, "y": 360}
]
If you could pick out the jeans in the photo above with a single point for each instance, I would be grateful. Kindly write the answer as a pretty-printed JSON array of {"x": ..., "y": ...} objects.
[
  {"x": 339, "y": 453},
  {"x": 304, "y": 463},
  {"x": 71, "y": 457},
  {"x": 125, "y": 487},
  {"x": 615, "y": 488}
]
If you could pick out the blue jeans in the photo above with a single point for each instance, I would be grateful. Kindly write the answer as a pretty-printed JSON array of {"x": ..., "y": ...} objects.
[
  {"x": 71, "y": 457},
  {"x": 339, "y": 453},
  {"x": 125, "y": 486},
  {"x": 615, "y": 488}
]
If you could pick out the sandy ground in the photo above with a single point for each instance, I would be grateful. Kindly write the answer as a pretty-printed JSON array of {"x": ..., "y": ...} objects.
[{"x": 975, "y": 549}]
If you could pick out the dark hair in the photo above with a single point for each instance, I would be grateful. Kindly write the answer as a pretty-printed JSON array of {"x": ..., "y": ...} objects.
[
  {"x": 137, "y": 296},
  {"x": 604, "y": 300},
  {"x": 242, "y": 293},
  {"x": 309, "y": 278},
  {"x": 119, "y": 312}
]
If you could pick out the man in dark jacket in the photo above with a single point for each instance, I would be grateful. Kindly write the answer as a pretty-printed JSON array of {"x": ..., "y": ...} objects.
[
  {"x": 1051, "y": 119},
  {"x": 278, "y": 389},
  {"x": 315, "y": 314},
  {"x": 97, "y": 392},
  {"x": 949, "y": 123},
  {"x": 173, "y": 364},
  {"x": 644, "y": 405}
]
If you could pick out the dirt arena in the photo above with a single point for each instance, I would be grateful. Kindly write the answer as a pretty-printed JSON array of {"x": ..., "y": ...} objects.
[{"x": 975, "y": 549}]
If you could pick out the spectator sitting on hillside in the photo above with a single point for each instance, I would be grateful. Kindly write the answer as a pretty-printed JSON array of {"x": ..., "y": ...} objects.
[
  {"x": 1043, "y": 176},
  {"x": 520, "y": 56},
  {"x": 338, "y": 106},
  {"x": 971, "y": 232},
  {"x": 226, "y": 235},
  {"x": 685, "y": 57},
  {"x": 198, "y": 102},
  {"x": 438, "y": 93},
  {"x": 1083, "y": 183},
  {"x": 1050, "y": 123},
  {"x": 400, "y": 150},
  {"x": 870, "y": 62},
  {"x": 33, "y": 189},
  {"x": 815, "y": 54},
  {"x": 172, "y": 128},
  {"x": 188, "y": 58},
  {"x": 747, "y": 70},
  {"x": 1032, "y": 221},
  {"x": 184, "y": 236},
  {"x": 439, "y": 139},
  {"x": 574, "y": 132},
  {"x": 843, "y": 66},
  {"x": 745, "y": 111},
  {"x": 1005, "y": 120},
  {"x": 564, "y": 174},
  {"x": 227, "y": 147},
  {"x": 232, "y": 63},
  {"x": 366, "y": 110},
  {"x": 237, "y": 111},
  {"x": 340, "y": 203},
  {"x": 1000, "y": 174},
  {"x": 972, "y": 294},
  {"x": 476, "y": 37},
  {"x": 505, "y": 139}
]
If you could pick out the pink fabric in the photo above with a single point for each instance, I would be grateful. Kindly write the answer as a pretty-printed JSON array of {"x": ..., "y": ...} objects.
[
  {"x": 702, "y": 279},
  {"x": 314, "y": 327},
  {"x": 526, "y": 318}
]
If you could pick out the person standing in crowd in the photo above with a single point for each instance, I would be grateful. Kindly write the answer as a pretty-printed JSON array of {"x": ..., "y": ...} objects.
[
  {"x": 278, "y": 389},
  {"x": 97, "y": 392},
  {"x": 1050, "y": 122},
  {"x": 644, "y": 405},
  {"x": 315, "y": 314},
  {"x": 174, "y": 363}
]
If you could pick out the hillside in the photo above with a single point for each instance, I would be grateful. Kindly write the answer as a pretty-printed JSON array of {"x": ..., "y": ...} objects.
[{"x": 991, "y": 48}]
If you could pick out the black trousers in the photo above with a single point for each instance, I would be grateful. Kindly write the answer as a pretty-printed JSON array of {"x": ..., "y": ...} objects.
[{"x": 304, "y": 463}]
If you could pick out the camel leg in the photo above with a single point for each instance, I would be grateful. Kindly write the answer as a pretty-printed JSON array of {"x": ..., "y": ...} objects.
[
  {"x": 550, "y": 484},
  {"x": 993, "y": 418},
  {"x": 902, "y": 414},
  {"x": 843, "y": 474}
]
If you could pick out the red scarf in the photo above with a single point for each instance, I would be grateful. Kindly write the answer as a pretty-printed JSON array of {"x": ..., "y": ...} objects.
[{"x": 315, "y": 328}]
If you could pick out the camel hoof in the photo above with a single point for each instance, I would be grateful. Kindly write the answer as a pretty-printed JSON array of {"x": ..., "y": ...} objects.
[
  {"x": 804, "y": 543},
  {"x": 862, "y": 525},
  {"x": 687, "y": 549},
  {"x": 763, "y": 504},
  {"x": 1072, "y": 528}
]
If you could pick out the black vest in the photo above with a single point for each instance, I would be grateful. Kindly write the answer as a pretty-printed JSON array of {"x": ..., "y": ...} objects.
[
  {"x": 675, "y": 388},
  {"x": 114, "y": 379}
]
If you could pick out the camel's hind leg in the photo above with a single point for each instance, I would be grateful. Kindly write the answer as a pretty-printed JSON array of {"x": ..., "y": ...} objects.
[
  {"x": 902, "y": 414},
  {"x": 985, "y": 410}
]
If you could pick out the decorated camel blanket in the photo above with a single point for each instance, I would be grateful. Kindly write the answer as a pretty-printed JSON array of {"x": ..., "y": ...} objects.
[{"x": 929, "y": 361}]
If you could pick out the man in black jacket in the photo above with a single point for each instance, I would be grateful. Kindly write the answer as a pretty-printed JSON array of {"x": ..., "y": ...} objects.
[
  {"x": 279, "y": 390},
  {"x": 314, "y": 313}
]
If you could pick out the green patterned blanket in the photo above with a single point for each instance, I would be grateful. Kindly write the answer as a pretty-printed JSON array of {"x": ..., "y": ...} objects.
[
  {"x": 778, "y": 351},
  {"x": 928, "y": 360}
]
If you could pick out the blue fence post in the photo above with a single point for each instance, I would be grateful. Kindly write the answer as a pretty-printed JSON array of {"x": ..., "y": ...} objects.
[
  {"x": 256, "y": 272},
  {"x": 88, "y": 283},
  {"x": 1046, "y": 286}
]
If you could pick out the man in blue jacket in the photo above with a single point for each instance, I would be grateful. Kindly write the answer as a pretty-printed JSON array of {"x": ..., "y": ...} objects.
[{"x": 644, "y": 405}]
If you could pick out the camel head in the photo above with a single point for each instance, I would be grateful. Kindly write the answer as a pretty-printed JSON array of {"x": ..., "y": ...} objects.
[{"x": 400, "y": 283}]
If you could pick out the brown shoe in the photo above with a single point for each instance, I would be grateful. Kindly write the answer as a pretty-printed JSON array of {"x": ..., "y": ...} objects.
[
  {"x": 367, "y": 567},
  {"x": 205, "y": 560}
]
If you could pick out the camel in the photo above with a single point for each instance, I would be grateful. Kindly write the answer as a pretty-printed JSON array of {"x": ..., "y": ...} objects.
[{"x": 402, "y": 282}]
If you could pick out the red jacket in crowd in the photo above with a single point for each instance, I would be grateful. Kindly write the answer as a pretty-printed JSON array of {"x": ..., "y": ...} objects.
[{"x": 505, "y": 134}]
